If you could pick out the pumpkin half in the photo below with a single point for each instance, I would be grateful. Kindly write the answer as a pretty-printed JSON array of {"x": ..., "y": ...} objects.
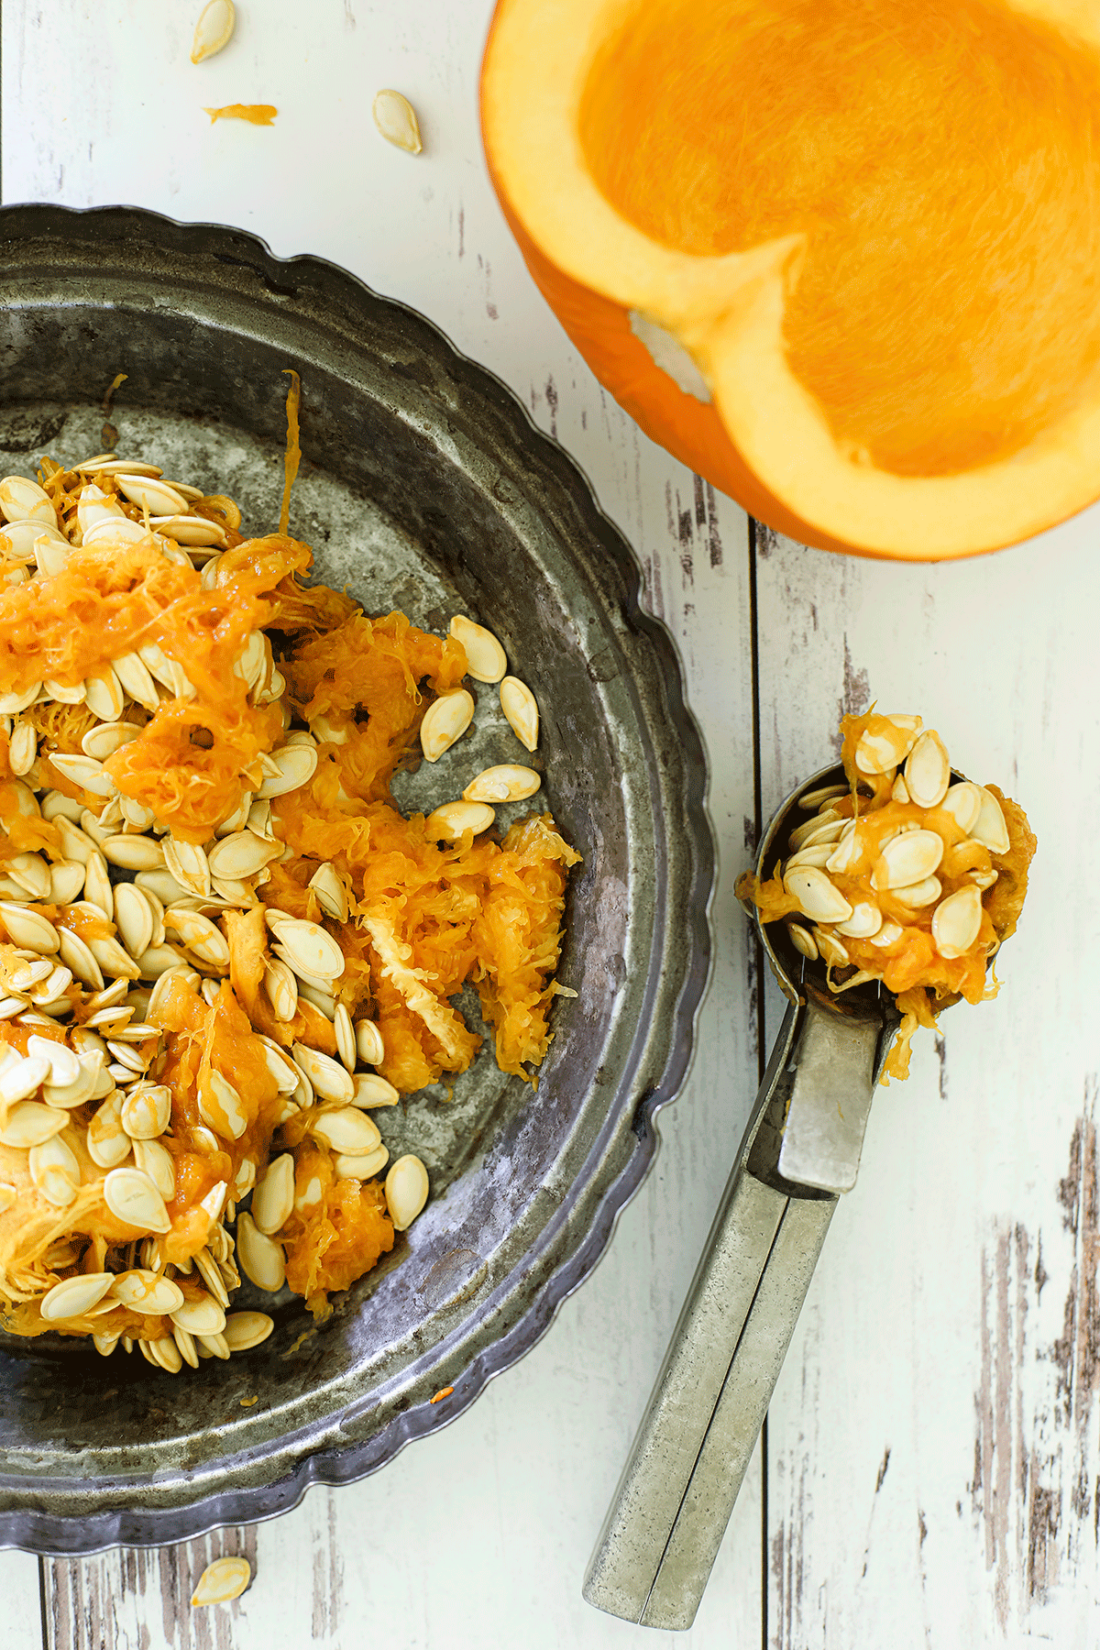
[{"x": 841, "y": 257}]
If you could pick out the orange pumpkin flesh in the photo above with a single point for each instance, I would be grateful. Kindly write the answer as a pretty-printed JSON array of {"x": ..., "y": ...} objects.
[{"x": 871, "y": 227}]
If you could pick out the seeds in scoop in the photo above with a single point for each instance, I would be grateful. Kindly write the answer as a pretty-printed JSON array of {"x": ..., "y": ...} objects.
[
  {"x": 368, "y": 1041},
  {"x": 372, "y": 1091},
  {"x": 244, "y": 1330},
  {"x": 226, "y": 1578},
  {"x": 452, "y": 820},
  {"x": 273, "y": 1199},
  {"x": 132, "y": 1196},
  {"x": 261, "y": 1258},
  {"x": 917, "y": 894},
  {"x": 927, "y": 770},
  {"x": 989, "y": 828},
  {"x": 956, "y": 922},
  {"x": 520, "y": 710},
  {"x": 906, "y": 859},
  {"x": 406, "y": 1191},
  {"x": 886, "y": 749},
  {"x": 964, "y": 803},
  {"x": 72, "y": 1297},
  {"x": 818, "y": 899},
  {"x": 396, "y": 119},
  {"x": 865, "y": 920},
  {"x": 445, "y": 720},
  {"x": 802, "y": 940},
  {"x": 508, "y": 782},
  {"x": 899, "y": 791},
  {"x": 834, "y": 951}
]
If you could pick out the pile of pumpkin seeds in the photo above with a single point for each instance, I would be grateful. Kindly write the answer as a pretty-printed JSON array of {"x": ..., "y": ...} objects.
[
  {"x": 903, "y": 863},
  {"x": 165, "y": 898}
]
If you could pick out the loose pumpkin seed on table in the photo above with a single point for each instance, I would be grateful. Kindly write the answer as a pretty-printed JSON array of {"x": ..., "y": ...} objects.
[
  {"x": 923, "y": 875},
  {"x": 175, "y": 876}
]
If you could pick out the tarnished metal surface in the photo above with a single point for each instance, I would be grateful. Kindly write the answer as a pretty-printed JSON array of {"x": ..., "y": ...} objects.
[{"x": 425, "y": 486}]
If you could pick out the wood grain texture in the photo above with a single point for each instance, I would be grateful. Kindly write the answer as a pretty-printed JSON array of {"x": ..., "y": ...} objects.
[{"x": 480, "y": 1534}]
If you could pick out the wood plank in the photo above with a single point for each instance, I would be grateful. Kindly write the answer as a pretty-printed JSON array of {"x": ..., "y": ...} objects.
[
  {"x": 21, "y": 1589},
  {"x": 933, "y": 1453}
]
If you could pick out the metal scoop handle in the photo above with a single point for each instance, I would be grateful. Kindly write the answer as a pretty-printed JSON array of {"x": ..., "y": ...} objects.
[{"x": 666, "y": 1523}]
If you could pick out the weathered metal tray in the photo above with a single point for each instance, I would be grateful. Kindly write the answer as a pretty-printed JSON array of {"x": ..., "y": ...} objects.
[{"x": 424, "y": 486}]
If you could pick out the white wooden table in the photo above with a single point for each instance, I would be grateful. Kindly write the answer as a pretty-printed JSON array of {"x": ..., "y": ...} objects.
[{"x": 930, "y": 1474}]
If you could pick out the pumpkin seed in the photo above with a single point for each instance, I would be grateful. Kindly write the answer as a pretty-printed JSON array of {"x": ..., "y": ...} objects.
[
  {"x": 185, "y": 1345},
  {"x": 244, "y": 1330},
  {"x": 23, "y": 748},
  {"x": 327, "y": 1076},
  {"x": 22, "y": 1077},
  {"x": 28, "y": 928},
  {"x": 200, "y": 1315},
  {"x": 486, "y": 660},
  {"x": 12, "y": 703},
  {"x": 208, "y": 1269},
  {"x": 106, "y": 738},
  {"x": 261, "y": 1258},
  {"x": 193, "y": 531},
  {"x": 282, "y": 1068},
  {"x": 308, "y": 948},
  {"x": 147, "y": 1111},
  {"x": 927, "y": 770},
  {"x": 521, "y": 711},
  {"x": 145, "y": 1291},
  {"x": 347, "y": 1130},
  {"x": 351, "y": 1167},
  {"x": 818, "y": 899},
  {"x": 187, "y": 862},
  {"x": 132, "y": 1197},
  {"x": 373, "y": 1091},
  {"x": 66, "y": 882},
  {"x": 917, "y": 894},
  {"x": 820, "y": 855},
  {"x": 30, "y": 1123},
  {"x": 406, "y": 1190},
  {"x": 368, "y": 1041},
  {"x": 211, "y": 1346},
  {"x": 150, "y": 493},
  {"x": 295, "y": 766},
  {"x": 220, "y": 1106},
  {"x": 76, "y": 954},
  {"x": 72, "y": 1297},
  {"x": 396, "y": 119},
  {"x": 828, "y": 826},
  {"x": 227, "y": 1578},
  {"x": 880, "y": 752},
  {"x": 113, "y": 960},
  {"x": 135, "y": 918},
  {"x": 452, "y": 820},
  {"x": 802, "y": 940},
  {"x": 201, "y": 936},
  {"x": 273, "y": 1198},
  {"x": 956, "y": 922},
  {"x": 109, "y": 464},
  {"x": 86, "y": 772},
  {"x": 345, "y": 1037},
  {"x": 332, "y": 896},
  {"x": 445, "y": 720},
  {"x": 833, "y": 951},
  {"x": 812, "y": 800},
  {"x": 281, "y": 988},
  {"x": 165, "y": 1353},
  {"x": 136, "y": 681},
  {"x": 158, "y": 1163},
  {"x": 907, "y": 858},
  {"x": 104, "y": 696},
  {"x": 989, "y": 828},
  {"x": 23, "y": 500},
  {"x": 31, "y": 873},
  {"x": 97, "y": 884},
  {"x": 508, "y": 782},
  {"x": 62, "y": 1062},
  {"x": 55, "y": 1171}
]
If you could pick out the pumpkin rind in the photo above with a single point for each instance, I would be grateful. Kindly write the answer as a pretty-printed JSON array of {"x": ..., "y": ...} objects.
[{"x": 762, "y": 437}]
